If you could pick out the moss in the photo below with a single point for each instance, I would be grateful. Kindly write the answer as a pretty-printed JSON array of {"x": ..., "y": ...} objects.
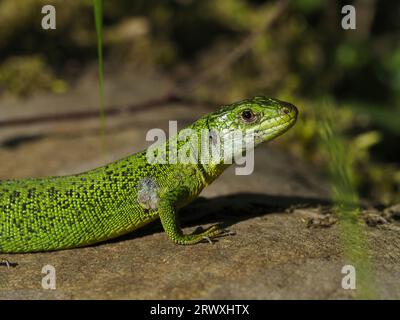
[{"x": 24, "y": 75}]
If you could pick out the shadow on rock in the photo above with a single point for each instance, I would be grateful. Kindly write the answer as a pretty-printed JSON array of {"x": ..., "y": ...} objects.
[{"x": 229, "y": 210}]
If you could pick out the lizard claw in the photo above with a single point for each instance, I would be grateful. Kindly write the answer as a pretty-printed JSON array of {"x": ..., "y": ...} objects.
[
  {"x": 225, "y": 232},
  {"x": 210, "y": 234},
  {"x": 208, "y": 239},
  {"x": 214, "y": 232}
]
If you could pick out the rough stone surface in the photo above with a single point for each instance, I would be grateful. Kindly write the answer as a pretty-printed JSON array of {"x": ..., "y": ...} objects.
[{"x": 275, "y": 253}]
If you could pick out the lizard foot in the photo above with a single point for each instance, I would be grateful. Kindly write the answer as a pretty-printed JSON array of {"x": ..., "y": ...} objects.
[{"x": 211, "y": 234}]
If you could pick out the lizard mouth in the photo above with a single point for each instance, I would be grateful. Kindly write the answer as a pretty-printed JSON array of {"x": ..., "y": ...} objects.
[{"x": 276, "y": 126}]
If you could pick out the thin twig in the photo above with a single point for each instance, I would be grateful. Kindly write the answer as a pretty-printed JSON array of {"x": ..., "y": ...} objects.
[{"x": 81, "y": 115}]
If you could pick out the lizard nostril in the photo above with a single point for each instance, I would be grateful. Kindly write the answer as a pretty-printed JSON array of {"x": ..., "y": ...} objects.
[{"x": 286, "y": 110}]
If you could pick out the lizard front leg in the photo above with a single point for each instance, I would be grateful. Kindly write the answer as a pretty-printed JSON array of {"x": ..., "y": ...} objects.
[{"x": 170, "y": 222}]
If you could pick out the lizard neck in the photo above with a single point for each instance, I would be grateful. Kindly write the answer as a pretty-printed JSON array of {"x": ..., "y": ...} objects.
[{"x": 210, "y": 172}]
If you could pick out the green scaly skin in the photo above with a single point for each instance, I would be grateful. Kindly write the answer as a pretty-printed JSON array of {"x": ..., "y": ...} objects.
[{"x": 73, "y": 211}]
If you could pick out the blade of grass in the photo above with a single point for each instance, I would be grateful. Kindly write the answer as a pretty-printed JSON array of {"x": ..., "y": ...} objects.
[
  {"x": 347, "y": 204},
  {"x": 98, "y": 14}
]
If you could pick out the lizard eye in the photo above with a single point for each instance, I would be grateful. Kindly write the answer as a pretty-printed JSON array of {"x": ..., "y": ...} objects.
[{"x": 248, "y": 115}]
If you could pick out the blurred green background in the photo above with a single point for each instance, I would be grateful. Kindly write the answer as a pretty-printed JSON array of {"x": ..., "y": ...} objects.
[{"x": 304, "y": 57}]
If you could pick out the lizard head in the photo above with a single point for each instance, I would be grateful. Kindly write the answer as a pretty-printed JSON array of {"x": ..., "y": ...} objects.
[{"x": 262, "y": 117}]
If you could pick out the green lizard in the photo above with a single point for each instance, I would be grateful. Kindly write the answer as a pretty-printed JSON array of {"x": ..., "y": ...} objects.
[{"x": 54, "y": 213}]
